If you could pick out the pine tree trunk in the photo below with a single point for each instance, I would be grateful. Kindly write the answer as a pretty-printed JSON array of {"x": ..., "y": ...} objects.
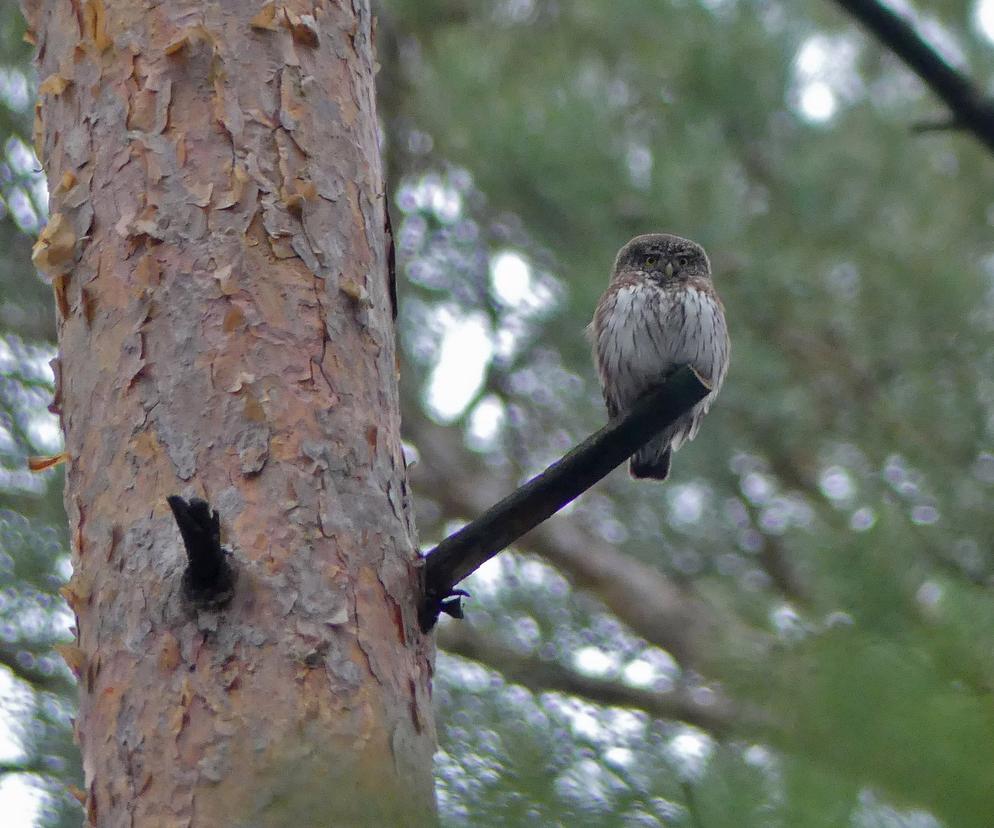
[{"x": 216, "y": 243}]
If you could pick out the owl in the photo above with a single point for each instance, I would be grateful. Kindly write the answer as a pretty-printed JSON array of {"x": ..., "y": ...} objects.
[{"x": 660, "y": 311}]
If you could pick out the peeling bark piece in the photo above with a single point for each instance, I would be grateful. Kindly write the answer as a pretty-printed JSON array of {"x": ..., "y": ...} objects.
[
  {"x": 39, "y": 464},
  {"x": 55, "y": 406},
  {"x": 302, "y": 27},
  {"x": 266, "y": 18},
  {"x": 55, "y": 249},
  {"x": 73, "y": 656},
  {"x": 54, "y": 84},
  {"x": 95, "y": 24},
  {"x": 190, "y": 36},
  {"x": 391, "y": 257},
  {"x": 253, "y": 449},
  {"x": 59, "y": 287}
]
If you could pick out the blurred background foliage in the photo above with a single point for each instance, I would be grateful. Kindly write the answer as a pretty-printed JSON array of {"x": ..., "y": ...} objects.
[{"x": 817, "y": 644}]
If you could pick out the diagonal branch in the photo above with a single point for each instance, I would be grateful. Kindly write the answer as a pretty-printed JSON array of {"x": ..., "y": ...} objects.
[
  {"x": 462, "y": 553},
  {"x": 710, "y": 711},
  {"x": 971, "y": 110},
  {"x": 653, "y": 605}
]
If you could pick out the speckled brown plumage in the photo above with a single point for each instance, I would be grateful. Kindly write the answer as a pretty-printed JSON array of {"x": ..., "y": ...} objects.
[{"x": 660, "y": 311}]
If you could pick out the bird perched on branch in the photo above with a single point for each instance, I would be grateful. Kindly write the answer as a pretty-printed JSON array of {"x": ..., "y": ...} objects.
[{"x": 659, "y": 312}]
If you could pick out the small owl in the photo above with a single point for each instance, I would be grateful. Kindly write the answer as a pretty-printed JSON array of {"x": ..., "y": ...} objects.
[{"x": 660, "y": 311}]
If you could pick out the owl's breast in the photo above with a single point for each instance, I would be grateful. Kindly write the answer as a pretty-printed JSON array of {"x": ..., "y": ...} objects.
[
  {"x": 645, "y": 331},
  {"x": 633, "y": 340}
]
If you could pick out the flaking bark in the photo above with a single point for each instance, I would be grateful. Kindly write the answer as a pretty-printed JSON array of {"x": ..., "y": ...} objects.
[{"x": 216, "y": 245}]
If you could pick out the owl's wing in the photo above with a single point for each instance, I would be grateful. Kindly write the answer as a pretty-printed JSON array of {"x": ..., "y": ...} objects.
[
  {"x": 613, "y": 409},
  {"x": 597, "y": 333},
  {"x": 704, "y": 344}
]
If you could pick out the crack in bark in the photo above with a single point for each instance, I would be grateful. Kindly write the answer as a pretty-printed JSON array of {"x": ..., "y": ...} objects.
[{"x": 322, "y": 317}]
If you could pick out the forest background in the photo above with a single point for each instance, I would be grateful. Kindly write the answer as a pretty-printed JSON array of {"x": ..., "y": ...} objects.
[{"x": 798, "y": 628}]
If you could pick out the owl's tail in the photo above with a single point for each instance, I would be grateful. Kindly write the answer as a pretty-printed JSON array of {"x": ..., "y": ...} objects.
[{"x": 652, "y": 460}]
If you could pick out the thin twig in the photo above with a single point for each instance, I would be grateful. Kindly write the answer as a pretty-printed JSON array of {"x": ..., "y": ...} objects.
[
  {"x": 971, "y": 110},
  {"x": 947, "y": 124},
  {"x": 542, "y": 496}
]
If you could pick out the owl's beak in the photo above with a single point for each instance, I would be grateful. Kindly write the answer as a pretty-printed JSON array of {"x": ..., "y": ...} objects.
[{"x": 668, "y": 270}]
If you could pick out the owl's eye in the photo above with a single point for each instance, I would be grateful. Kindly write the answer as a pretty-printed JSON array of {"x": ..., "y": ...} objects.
[
  {"x": 682, "y": 261},
  {"x": 651, "y": 260}
]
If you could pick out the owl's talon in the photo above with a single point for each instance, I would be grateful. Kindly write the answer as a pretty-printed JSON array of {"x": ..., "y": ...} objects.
[
  {"x": 434, "y": 605},
  {"x": 453, "y": 605}
]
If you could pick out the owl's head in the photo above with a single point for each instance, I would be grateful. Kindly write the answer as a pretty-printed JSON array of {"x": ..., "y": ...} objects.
[{"x": 663, "y": 257}]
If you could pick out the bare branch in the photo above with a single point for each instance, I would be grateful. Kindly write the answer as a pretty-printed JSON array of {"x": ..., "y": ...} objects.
[
  {"x": 709, "y": 711},
  {"x": 971, "y": 110},
  {"x": 544, "y": 495},
  {"x": 655, "y": 607},
  {"x": 209, "y": 578}
]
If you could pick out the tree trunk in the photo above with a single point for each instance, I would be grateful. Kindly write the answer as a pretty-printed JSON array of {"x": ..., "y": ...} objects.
[{"x": 216, "y": 243}]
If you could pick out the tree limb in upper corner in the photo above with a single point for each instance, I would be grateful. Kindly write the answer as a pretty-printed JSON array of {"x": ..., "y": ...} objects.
[
  {"x": 711, "y": 712},
  {"x": 971, "y": 110}
]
